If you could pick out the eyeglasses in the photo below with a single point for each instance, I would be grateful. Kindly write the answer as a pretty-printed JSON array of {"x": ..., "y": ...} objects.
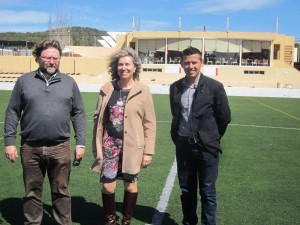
[{"x": 48, "y": 59}]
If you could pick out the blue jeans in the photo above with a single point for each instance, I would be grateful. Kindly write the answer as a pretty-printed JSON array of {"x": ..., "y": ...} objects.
[
  {"x": 53, "y": 158},
  {"x": 194, "y": 165}
]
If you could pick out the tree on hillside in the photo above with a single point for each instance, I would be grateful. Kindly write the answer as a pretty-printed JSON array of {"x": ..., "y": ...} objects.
[{"x": 59, "y": 28}]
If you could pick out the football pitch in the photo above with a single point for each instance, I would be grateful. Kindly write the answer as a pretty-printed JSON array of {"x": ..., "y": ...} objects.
[{"x": 259, "y": 170}]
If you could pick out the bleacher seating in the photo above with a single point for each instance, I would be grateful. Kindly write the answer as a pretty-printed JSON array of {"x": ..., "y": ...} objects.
[{"x": 9, "y": 76}]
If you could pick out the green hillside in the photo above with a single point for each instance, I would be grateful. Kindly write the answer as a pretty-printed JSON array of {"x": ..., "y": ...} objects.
[{"x": 79, "y": 36}]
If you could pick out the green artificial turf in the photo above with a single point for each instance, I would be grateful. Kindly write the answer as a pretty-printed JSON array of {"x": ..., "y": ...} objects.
[{"x": 258, "y": 182}]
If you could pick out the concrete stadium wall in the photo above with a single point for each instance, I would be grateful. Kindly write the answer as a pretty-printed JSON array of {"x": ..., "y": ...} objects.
[
  {"x": 93, "y": 70},
  {"x": 230, "y": 76},
  {"x": 272, "y": 78},
  {"x": 16, "y": 64},
  {"x": 69, "y": 65}
]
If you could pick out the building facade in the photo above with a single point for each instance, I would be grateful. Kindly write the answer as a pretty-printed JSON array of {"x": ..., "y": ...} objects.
[{"x": 235, "y": 58}]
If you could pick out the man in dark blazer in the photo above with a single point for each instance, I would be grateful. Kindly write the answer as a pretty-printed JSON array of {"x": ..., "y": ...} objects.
[{"x": 201, "y": 113}]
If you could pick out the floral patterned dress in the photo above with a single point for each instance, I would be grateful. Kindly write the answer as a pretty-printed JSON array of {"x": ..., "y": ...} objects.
[{"x": 113, "y": 139}]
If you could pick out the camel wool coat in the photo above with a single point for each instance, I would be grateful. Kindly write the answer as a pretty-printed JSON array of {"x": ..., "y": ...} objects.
[{"x": 139, "y": 127}]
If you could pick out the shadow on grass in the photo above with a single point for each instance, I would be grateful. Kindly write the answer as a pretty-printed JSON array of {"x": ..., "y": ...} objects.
[{"x": 84, "y": 213}]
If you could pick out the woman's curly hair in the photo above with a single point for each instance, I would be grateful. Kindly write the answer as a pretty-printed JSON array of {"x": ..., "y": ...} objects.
[{"x": 114, "y": 59}]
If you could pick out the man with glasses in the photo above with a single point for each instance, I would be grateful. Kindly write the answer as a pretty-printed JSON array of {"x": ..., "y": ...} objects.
[{"x": 45, "y": 101}]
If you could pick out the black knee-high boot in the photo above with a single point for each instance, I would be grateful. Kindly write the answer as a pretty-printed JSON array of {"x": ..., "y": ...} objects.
[
  {"x": 109, "y": 208},
  {"x": 129, "y": 203}
]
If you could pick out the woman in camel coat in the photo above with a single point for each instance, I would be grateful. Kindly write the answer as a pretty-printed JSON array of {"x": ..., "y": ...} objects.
[{"x": 124, "y": 132}]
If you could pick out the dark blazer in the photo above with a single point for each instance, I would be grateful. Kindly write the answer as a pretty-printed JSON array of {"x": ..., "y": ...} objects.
[{"x": 210, "y": 112}]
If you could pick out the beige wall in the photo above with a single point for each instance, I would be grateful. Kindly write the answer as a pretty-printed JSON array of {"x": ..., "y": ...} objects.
[
  {"x": 283, "y": 41},
  {"x": 71, "y": 65},
  {"x": 94, "y": 70},
  {"x": 233, "y": 76},
  {"x": 16, "y": 64},
  {"x": 272, "y": 78},
  {"x": 90, "y": 66}
]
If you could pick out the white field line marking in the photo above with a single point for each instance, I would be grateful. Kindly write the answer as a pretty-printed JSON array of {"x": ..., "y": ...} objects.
[
  {"x": 268, "y": 127},
  {"x": 232, "y": 124},
  {"x": 250, "y": 125},
  {"x": 164, "y": 197},
  {"x": 271, "y": 107}
]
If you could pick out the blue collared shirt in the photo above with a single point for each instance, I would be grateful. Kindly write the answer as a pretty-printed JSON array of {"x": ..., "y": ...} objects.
[{"x": 185, "y": 128}]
